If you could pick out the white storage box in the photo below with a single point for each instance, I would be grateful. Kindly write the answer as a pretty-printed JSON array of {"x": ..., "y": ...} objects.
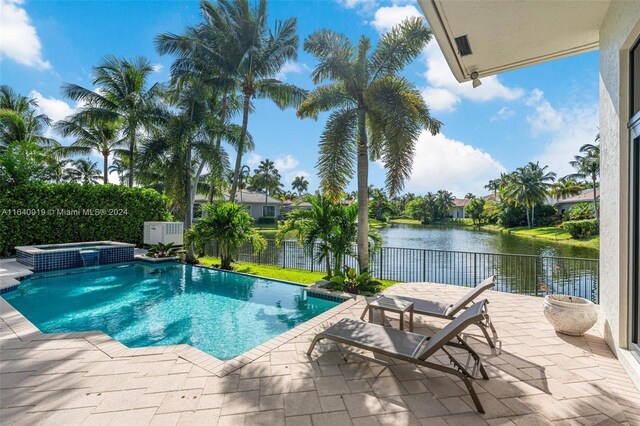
[{"x": 163, "y": 232}]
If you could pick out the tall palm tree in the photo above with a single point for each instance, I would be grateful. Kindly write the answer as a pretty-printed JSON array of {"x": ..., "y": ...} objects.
[
  {"x": 266, "y": 177},
  {"x": 121, "y": 94},
  {"x": 376, "y": 113},
  {"x": 493, "y": 185},
  {"x": 444, "y": 203},
  {"x": 20, "y": 122},
  {"x": 83, "y": 171},
  {"x": 300, "y": 184},
  {"x": 121, "y": 168},
  {"x": 587, "y": 166},
  {"x": 251, "y": 54},
  {"x": 529, "y": 186},
  {"x": 92, "y": 135}
]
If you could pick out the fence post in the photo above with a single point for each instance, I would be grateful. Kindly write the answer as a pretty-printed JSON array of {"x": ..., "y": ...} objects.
[
  {"x": 424, "y": 265},
  {"x": 380, "y": 262},
  {"x": 535, "y": 282},
  {"x": 475, "y": 269},
  {"x": 312, "y": 262},
  {"x": 284, "y": 254}
]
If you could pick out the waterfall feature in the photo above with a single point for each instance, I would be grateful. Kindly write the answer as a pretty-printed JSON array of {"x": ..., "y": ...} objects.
[{"x": 90, "y": 257}]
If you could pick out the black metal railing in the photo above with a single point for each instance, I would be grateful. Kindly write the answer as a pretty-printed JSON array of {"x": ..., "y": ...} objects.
[{"x": 517, "y": 273}]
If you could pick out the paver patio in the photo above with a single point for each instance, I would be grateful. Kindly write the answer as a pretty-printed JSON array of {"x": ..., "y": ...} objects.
[{"x": 536, "y": 377}]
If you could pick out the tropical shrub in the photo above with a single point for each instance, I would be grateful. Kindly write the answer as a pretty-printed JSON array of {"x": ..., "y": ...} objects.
[
  {"x": 352, "y": 282},
  {"x": 47, "y": 213},
  {"x": 546, "y": 215},
  {"x": 581, "y": 228},
  {"x": 492, "y": 211},
  {"x": 511, "y": 216},
  {"x": 230, "y": 225},
  {"x": 161, "y": 250},
  {"x": 581, "y": 211}
]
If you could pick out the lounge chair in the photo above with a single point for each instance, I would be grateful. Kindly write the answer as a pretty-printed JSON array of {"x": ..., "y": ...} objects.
[
  {"x": 415, "y": 348},
  {"x": 449, "y": 311}
]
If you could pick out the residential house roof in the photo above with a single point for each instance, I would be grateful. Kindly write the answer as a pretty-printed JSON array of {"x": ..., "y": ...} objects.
[
  {"x": 584, "y": 197},
  {"x": 247, "y": 197}
]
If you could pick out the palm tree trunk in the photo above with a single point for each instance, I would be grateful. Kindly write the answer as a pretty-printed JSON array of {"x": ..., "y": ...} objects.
[
  {"x": 533, "y": 215},
  {"x": 526, "y": 208},
  {"x": 363, "y": 194},
  {"x": 196, "y": 180},
  {"x": 243, "y": 135},
  {"x": 105, "y": 168},
  {"x": 327, "y": 260},
  {"x": 132, "y": 148},
  {"x": 223, "y": 117}
]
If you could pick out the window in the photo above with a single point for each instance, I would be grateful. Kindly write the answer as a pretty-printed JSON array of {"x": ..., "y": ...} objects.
[{"x": 268, "y": 211}]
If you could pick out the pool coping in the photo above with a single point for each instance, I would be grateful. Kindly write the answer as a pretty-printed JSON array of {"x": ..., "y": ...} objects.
[
  {"x": 36, "y": 249},
  {"x": 26, "y": 330}
]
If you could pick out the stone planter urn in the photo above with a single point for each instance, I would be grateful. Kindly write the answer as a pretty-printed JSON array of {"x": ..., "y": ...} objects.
[{"x": 570, "y": 314}]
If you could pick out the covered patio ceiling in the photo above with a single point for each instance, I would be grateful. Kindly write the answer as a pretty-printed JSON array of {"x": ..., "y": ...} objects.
[{"x": 508, "y": 34}]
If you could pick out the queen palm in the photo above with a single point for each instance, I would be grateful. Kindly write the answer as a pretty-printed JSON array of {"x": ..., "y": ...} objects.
[
  {"x": 493, "y": 185},
  {"x": 122, "y": 94},
  {"x": 529, "y": 186},
  {"x": 565, "y": 187},
  {"x": 587, "y": 166},
  {"x": 120, "y": 167},
  {"x": 300, "y": 184},
  {"x": 92, "y": 135},
  {"x": 19, "y": 121},
  {"x": 376, "y": 114}
]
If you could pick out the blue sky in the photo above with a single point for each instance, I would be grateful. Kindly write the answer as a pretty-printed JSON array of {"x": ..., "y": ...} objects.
[{"x": 541, "y": 113}]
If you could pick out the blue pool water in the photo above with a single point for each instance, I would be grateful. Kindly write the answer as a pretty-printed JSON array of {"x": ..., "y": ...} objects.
[{"x": 221, "y": 313}]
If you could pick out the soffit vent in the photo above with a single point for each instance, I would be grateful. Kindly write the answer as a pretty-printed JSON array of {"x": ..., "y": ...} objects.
[{"x": 462, "y": 43}]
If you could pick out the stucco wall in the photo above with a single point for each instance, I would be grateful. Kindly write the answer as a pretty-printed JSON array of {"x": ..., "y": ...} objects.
[{"x": 620, "y": 28}]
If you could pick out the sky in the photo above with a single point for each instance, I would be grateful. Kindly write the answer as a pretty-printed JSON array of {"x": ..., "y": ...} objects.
[{"x": 541, "y": 113}]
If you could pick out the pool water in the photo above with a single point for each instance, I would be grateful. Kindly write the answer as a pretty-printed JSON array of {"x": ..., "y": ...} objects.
[{"x": 221, "y": 313}]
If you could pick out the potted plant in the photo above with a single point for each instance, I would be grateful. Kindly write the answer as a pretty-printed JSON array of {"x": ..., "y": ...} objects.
[{"x": 570, "y": 315}]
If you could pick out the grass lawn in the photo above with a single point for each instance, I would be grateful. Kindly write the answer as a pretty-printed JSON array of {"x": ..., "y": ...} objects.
[
  {"x": 269, "y": 271},
  {"x": 553, "y": 233},
  {"x": 403, "y": 221},
  {"x": 268, "y": 230}
]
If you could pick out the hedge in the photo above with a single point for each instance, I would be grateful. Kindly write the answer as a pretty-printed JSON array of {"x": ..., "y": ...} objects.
[
  {"x": 581, "y": 228},
  {"x": 43, "y": 213}
]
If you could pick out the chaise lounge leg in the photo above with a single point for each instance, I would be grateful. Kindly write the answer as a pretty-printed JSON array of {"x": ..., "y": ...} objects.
[
  {"x": 313, "y": 344},
  {"x": 486, "y": 335},
  {"x": 473, "y": 394}
]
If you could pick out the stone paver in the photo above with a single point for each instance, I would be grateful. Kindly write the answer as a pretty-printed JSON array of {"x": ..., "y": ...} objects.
[{"x": 536, "y": 377}]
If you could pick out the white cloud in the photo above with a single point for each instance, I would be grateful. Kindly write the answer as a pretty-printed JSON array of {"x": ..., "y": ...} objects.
[
  {"x": 291, "y": 68},
  {"x": 386, "y": 18},
  {"x": 503, "y": 114},
  {"x": 19, "y": 39},
  {"x": 157, "y": 67},
  {"x": 285, "y": 163},
  {"x": 443, "y": 163},
  {"x": 253, "y": 160},
  {"x": 566, "y": 129},
  {"x": 363, "y": 6},
  {"x": 55, "y": 109}
]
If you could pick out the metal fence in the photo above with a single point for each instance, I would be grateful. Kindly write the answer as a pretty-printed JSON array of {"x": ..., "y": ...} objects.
[{"x": 517, "y": 273}]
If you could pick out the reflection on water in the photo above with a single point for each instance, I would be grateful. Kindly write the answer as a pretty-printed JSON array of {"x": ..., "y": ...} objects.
[{"x": 456, "y": 238}]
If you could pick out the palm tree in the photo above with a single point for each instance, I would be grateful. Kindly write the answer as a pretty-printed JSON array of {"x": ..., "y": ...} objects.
[
  {"x": 84, "y": 171},
  {"x": 493, "y": 185},
  {"x": 300, "y": 184},
  {"x": 230, "y": 225},
  {"x": 122, "y": 95},
  {"x": 92, "y": 135},
  {"x": 588, "y": 167},
  {"x": 19, "y": 121},
  {"x": 444, "y": 203},
  {"x": 376, "y": 113},
  {"x": 528, "y": 187},
  {"x": 121, "y": 168},
  {"x": 469, "y": 196},
  {"x": 565, "y": 187},
  {"x": 248, "y": 55},
  {"x": 266, "y": 177}
]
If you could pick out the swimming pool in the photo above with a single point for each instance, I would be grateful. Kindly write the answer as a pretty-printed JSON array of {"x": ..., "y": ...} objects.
[{"x": 221, "y": 313}]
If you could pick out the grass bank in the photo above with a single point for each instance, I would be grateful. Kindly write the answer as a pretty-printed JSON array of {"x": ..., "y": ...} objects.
[
  {"x": 551, "y": 233},
  {"x": 451, "y": 222},
  {"x": 276, "y": 272}
]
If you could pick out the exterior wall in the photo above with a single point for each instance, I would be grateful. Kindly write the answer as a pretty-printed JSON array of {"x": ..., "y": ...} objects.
[
  {"x": 619, "y": 30},
  {"x": 256, "y": 209},
  {"x": 457, "y": 212}
]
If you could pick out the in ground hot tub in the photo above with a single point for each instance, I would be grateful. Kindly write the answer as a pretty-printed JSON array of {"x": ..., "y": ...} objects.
[{"x": 51, "y": 257}]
